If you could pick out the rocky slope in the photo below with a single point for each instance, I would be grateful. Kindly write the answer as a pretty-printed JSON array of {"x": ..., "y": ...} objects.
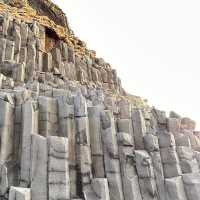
[{"x": 69, "y": 130}]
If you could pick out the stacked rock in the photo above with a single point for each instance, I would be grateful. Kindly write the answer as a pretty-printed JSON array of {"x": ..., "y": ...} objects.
[
  {"x": 30, "y": 51},
  {"x": 68, "y": 131},
  {"x": 101, "y": 148}
]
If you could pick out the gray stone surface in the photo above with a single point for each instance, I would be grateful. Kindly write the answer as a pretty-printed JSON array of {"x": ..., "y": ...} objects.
[
  {"x": 29, "y": 126},
  {"x": 95, "y": 130},
  {"x": 192, "y": 185},
  {"x": 125, "y": 125},
  {"x": 128, "y": 172},
  {"x": 183, "y": 140},
  {"x": 124, "y": 110},
  {"x": 115, "y": 186},
  {"x": 151, "y": 143},
  {"x": 96, "y": 141},
  {"x": 148, "y": 188},
  {"x": 3, "y": 48},
  {"x": 31, "y": 54},
  {"x": 139, "y": 128},
  {"x": 172, "y": 170},
  {"x": 17, "y": 193},
  {"x": 80, "y": 106},
  {"x": 111, "y": 156},
  {"x": 4, "y": 180},
  {"x": 197, "y": 156},
  {"x": 39, "y": 159},
  {"x": 58, "y": 168},
  {"x": 124, "y": 139},
  {"x": 175, "y": 189},
  {"x": 56, "y": 58},
  {"x": 48, "y": 123},
  {"x": 9, "y": 51},
  {"x": 159, "y": 174},
  {"x": 6, "y": 130},
  {"x": 144, "y": 164},
  {"x": 17, "y": 39},
  {"x": 98, "y": 190},
  {"x": 187, "y": 159},
  {"x": 166, "y": 139},
  {"x": 174, "y": 125},
  {"x": 169, "y": 155}
]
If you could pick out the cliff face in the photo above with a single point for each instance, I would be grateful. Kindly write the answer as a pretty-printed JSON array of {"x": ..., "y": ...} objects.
[{"x": 69, "y": 130}]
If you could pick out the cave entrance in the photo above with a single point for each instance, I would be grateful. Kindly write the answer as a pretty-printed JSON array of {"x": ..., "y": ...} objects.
[{"x": 51, "y": 39}]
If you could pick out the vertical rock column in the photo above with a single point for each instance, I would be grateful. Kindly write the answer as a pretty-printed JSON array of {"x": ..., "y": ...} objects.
[
  {"x": 160, "y": 119},
  {"x": 17, "y": 193},
  {"x": 58, "y": 168},
  {"x": 139, "y": 128},
  {"x": 187, "y": 160},
  {"x": 84, "y": 160},
  {"x": 189, "y": 165},
  {"x": 47, "y": 62},
  {"x": 96, "y": 142},
  {"x": 6, "y": 145},
  {"x": 40, "y": 46},
  {"x": 152, "y": 146},
  {"x": 67, "y": 129},
  {"x": 172, "y": 171},
  {"x": 39, "y": 159},
  {"x": 29, "y": 127},
  {"x": 126, "y": 153},
  {"x": 17, "y": 39},
  {"x": 111, "y": 156},
  {"x": 64, "y": 55},
  {"x": 3, "y": 49},
  {"x": 173, "y": 126},
  {"x": 4, "y": 21},
  {"x": 192, "y": 185},
  {"x": 19, "y": 101},
  {"x": 4, "y": 185},
  {"x": 10, "y": 44},
  {"x": 21, "y": 96},
  {"x": 197, "y": 156},
  {"x": 6, "y": 130},
  {"x": 48, "y": 111},
  {"x": 98, "y": 190},
  {"x": 171, "y": 165},
  {"x": 5, "y": 24},
  {"x": 175, "y": 188},
  {"x": 146, "y": 175},
  {"x": 31, "y": 53},
  {"x": 56, "y": 60},
  {"x": 24, "y": 39},
  {"x": 9, "y": 52}
]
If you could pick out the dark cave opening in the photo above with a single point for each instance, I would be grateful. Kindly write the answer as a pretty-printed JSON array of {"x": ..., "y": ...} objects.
[{"x": 51, "y": 39}]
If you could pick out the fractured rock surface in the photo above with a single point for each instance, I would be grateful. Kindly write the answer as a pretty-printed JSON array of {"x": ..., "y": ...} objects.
[{"x": 68, "y": 130}]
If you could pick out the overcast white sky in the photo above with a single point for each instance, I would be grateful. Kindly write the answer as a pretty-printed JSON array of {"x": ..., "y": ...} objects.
[{"x": 154, "y": 45}]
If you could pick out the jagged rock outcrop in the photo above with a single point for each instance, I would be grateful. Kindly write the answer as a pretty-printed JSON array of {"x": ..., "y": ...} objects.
[{"x": 69, "y": 130}]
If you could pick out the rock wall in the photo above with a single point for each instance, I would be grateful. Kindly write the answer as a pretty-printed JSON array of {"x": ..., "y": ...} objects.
[
  {"x": 69, "y": 131},
  {"x": 78, "y": 143},
  {"x": 30, "y": 51}
]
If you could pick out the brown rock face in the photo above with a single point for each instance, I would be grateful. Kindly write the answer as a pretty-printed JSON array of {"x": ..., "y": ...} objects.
[
  {"x": 49, "y": 9},
  {"x": 43, "y": 7},
  {"x": 16, "y": 3}
]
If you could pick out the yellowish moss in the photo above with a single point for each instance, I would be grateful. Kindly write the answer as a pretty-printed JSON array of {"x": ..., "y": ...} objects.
[{"x": 22, "y": 10}]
